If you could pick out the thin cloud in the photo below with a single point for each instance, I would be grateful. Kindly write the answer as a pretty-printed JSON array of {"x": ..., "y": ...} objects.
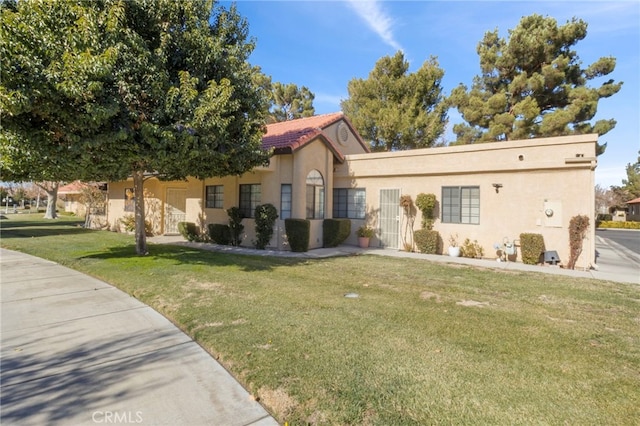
[
  {"x": 377, "y": 19},
  {"x": 329, "y": 98}
]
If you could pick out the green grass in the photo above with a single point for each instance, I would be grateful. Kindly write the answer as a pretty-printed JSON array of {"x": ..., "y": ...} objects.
[{"x": 424, "y": 343}]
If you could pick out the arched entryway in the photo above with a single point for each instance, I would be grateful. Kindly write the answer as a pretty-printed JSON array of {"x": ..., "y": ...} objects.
[{"x": 315, "y": 195}]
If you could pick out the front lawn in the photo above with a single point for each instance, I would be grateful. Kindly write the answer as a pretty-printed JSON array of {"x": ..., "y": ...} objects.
[{"x": 423, "y": 343}]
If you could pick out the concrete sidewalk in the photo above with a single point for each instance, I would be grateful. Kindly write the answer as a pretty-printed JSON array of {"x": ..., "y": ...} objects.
[{"x": 77, "y": 351}]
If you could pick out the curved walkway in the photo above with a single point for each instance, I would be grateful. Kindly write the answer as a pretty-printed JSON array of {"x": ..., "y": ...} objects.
[{"x": 77, "y": 351}]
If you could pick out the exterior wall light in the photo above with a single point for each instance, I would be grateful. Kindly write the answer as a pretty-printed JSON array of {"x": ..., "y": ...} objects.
[{"x": 497, "y": 186}]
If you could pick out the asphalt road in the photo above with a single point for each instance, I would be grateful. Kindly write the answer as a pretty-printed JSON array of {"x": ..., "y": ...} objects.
[{"x": 629, "y": 239}]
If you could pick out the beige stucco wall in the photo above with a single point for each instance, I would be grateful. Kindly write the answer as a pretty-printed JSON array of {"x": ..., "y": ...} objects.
[
  {"x": 349, "y": 146},
  {"x": 73, "y": 204},
  {"x": 536, "y": 174},
  {"x": 155, "y": 201}
]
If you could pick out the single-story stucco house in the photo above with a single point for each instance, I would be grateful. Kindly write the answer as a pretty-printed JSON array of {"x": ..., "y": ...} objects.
[
  {"x": 321, "y": 168},
  {"x": 71, "y": 194},
  {"x": 633, "y": 213}
]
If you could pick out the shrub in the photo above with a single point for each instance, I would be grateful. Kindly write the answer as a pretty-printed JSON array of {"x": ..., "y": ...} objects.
[
  {"x": 335, "y": 231},
  {"x": 298, "y": 233},
  {"x": 235, "y": 225},
  {"x": 410, "y": 214},
  {"x": 619, "y": 225},
  {"x": 426, "y": 203},
  {"x": 532, "y": 248},
  {"x": 129, "y": 224},
  {"x": 188, "y": 230},
  {"x": 427, "y": 241},
  {"x": 220, "y": 233},
  {"x": 266, "y": 215},
  {"x": 578, "y": 226},
  {"x": 365, "y": 232},
  {"x": 471, "y": 249}
]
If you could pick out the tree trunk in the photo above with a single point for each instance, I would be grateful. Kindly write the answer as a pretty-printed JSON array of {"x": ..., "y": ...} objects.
[
  {"x": 52, "y": 200},
  {"x": 138, "y": 191}
]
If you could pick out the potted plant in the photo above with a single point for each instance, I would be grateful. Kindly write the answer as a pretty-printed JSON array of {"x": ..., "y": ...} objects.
[
  {"x": 364, "y": 234},
  {"x": 454, "y": 249}
]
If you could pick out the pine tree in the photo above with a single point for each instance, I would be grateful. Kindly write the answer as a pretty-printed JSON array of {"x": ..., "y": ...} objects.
[
  {"x": 394, "y": 109},
  {"x": 291, "y": 102},
  {"x": 532, "y": 84}
]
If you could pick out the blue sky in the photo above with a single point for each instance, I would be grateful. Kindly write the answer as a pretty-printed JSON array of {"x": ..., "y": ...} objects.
[{"x": 325, "y": 44}]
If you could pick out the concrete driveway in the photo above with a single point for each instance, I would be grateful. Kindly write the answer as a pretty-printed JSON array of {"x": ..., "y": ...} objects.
[
  {"x": 77, "y": 351},
  {"x": 615, "y": 261}
]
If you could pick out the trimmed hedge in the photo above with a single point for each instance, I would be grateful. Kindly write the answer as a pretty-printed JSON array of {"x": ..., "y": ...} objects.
[
  {"x": 532, "y": 248},
  {"x": 335, "y": 231},
  {"x": 188, "y": 230},
  {"x": 298, "y": 233},
  {"x": 428, "y": 241},
  {"x": 220, "y": 233},
  {"x": 619, "y": 225}
]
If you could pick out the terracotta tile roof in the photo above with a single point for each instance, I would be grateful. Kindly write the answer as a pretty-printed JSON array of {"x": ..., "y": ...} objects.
[
  {"x": 77, "y": 186},
  {"x": 287, "y": 136},
  {"x": 72, "y": 188},
  {"x": 634, "y": 201}
]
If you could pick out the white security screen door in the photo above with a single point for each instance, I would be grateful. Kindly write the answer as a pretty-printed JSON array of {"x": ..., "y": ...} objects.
[
  {"x": 175, "y": 210},
  {"x": 389, "y": 217}
]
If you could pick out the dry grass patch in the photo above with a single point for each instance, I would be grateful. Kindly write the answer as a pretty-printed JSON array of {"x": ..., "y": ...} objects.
[{"x": 280, "y": 402}]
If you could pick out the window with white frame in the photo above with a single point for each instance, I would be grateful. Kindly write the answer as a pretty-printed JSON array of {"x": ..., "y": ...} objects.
[
  {"x": 349, "y": 203},
  {"x": 315, "y": 195},
  {"x": 461, "y": 204},
  {"x": 215, "y": 197},
  {"x": 249, "y": 199},
  {"x": 285, "y": 201}
]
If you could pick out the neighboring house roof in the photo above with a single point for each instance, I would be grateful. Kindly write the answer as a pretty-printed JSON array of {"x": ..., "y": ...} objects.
[
  {"x": 634, "y": 201},
  {"x": 72, "y": 188},
  {"x": 288, "y": 136},
  {"x": 77, "y": 186}
]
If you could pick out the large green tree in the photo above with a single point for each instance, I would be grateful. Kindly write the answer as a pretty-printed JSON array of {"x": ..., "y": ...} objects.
[
  {"x": 179, "y": 99},
  {"x": 53, "y": 102},
  {"x": 394, "y": 109},
  {"x": 290, "y": 102},
  {"x": 533, "y": 84}
]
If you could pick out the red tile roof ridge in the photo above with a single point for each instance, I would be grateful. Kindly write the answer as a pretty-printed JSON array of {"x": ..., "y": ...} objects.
[
  {"x": 287, "y": 136},
  {"x": 635, "y": 200},
  {"x": 318, "y": 121}
]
